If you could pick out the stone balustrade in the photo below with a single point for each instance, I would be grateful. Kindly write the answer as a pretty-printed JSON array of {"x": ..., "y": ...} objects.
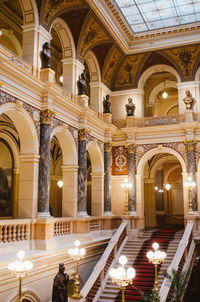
[{"x": 14, "y": 230}]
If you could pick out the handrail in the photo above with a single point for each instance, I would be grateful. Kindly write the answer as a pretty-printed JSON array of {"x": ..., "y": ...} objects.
[
  {"x": 93, "y": 284},
  {"x": 178, "y": 260}
]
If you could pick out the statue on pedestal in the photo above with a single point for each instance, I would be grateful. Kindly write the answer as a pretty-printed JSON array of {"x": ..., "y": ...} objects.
[
  {"x": 59, "y": 293},
  {"x": 189, "y": 100},
  {"x": 45, "y": 55},
  {"x": 106, "y": 104},
  {"x": 130, "y": 108},
  {"x": 82, "y": 84}
]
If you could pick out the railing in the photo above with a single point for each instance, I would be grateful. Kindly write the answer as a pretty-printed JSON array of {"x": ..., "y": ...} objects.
[
  {"x": 62, "y": 228},
  {"x": 185, "y": 248},
  {"x": 97, "y": 279},
  {"x": 13, "y": 230}
]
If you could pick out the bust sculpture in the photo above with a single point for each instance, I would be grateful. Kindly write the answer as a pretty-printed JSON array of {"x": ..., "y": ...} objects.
[
  {"x": 59, "y": 293},
  {"x": 82, "y": 85},
  {"x": 130, "y": 108},
  {"x": 45, "y": 55},
  {"x": 107, "y": 104},
  {"x": 189, "y": 100}
]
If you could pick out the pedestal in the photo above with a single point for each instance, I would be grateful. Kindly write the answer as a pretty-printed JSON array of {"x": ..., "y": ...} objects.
[
  {"x": 47, "y": 75},
  {"x": 107, "y": 118},
  {"x": 130, "y": 121},
  {"x": 189, "y": 116},
  {"x": 83, "y": 100}
]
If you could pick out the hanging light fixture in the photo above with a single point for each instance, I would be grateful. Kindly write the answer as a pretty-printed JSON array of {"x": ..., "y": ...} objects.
[{"x": 164, "y": 94}]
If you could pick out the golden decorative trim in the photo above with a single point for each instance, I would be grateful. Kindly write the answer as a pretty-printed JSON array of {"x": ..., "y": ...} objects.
[
  {"x": 190, "y": 144},
  {"x": 46, "y": 117},
  {"x": 130, "y": 148},
  {"x": 108, "y": 147},
  {"x": 83, "y": 134}
]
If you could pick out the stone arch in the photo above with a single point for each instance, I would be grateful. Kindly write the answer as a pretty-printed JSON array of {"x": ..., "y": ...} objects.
[
  {"x": 29, "y": 142},
  {"x": 95, "y": 74},
  {"x": 28, "y": 158},
  {"x": 169, "y": 172},
  {"x": 65, "y": 37},
  {"x": 14, "y": 147},
  {"x": 69, "y": 170},
  {"x": 30, "y": 11},
  {"x": 13, "y": 41},
  {"x": 140, "y": 179},
  {"x": 157, "y": 68},
  {"x": 156, "y": 165},
  {"x": 27, "y": 294},
  {"x": 97, "y": 178},
  {"x": 172, "y": 107},
  {"x": 158, "y": 88},
  {"x": 197, "y": 75}
]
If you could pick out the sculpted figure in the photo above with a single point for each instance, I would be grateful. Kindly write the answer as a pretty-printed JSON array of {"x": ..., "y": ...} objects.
[
  {"x": 130, "y": 108},
  {"x": 59, "y": 293},
  {"x": 107, "y": 104},
  {"x": 45, "y": 55},
  {"x": 189, "y": 100},
  {"x": 82, "y": 85}
]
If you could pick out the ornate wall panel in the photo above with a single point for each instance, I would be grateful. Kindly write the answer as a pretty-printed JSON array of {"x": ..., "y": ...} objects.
[
  {"x": 119, "y": 160},
  {"x": 111, "y": 63}
]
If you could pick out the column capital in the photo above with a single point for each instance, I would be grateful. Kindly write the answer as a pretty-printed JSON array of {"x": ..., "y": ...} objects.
[
  {"x": 46, "y": 116},
  {"x": 82, "y": 133},
  {"x": 130, "y": 148},
  {"x": 190, "y": 144},
  {"x": 108, "y": 147}
]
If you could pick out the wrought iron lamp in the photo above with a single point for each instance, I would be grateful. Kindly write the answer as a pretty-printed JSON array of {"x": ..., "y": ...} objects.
[
  {"x": 156, "y": 258},
  {"x": 77, "y": 254},
  {"x": 121, "y": 276},
  {"x": 126, "y": 186},
  {"x": 190, "y": 184},
  {"x": 20, "y": 269}
]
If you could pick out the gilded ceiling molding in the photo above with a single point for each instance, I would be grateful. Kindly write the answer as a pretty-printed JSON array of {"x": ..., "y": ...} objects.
[
  {"x": 92, "y": 34},
  {"x": 127, "y": 73},
  {"x": 185, "y": 57},
  {"x": 53, "y": 7},
  {"x": 111, "y": 63}
]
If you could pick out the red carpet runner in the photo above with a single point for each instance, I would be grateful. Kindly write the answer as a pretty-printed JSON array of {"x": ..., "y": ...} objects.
[{"x": 144, "y": 279}]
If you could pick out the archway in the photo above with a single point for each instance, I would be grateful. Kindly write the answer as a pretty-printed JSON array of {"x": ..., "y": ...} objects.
[
  {"x": 67, "y": 167},
  {"x": 27, "y": 174},
  {"x": 154, "y": 204},
  {"x": 97, "y": 178}
]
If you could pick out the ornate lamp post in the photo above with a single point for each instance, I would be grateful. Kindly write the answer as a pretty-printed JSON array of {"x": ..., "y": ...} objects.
[
  {"x": 127, "y": 186},
  {"x": 77, "y": 254},
  {"x": 190, "y": 184},
  {"x": 20, "y": 269},
  {"x": 156, "y": 258},
  {"x": 168, "y": 187},
  {"x": 121, "y": 276}
]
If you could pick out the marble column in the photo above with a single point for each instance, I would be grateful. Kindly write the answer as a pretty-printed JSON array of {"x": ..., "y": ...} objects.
[
  {"x": 191, "y": 162},
  {"x": 82, "y": 173},
  {"x": 44, "y": 164},
  {"x": 107, "y": 178},
  {"x": 131, "y": 177}
]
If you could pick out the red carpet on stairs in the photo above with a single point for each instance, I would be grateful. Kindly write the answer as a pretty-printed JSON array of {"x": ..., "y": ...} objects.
[{"x": 144, "y": 279}]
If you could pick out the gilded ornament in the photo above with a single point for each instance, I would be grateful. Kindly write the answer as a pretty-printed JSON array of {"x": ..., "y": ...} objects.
[
  {"x": 181, "y": 148},
  {"x": 190, "y": 144},
  {"x": 46, "y": 116},
  {"x": 83, "y": 134},
  {"x": 127, "y": 72},
  {"x": 92, "y": 34},
  {"x": 130, "y": 148},
  {"x": 111, "y": 64},
  {"x": 140, "y": 150},
  {"x": 108, "y": 147}
]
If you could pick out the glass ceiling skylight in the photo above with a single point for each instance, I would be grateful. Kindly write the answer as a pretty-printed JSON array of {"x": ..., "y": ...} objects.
[{"x": 146, "y": 15}]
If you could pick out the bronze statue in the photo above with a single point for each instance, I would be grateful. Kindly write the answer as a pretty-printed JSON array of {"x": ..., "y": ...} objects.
[
  {"x": 59, "y": 293},
  {"x": 106, "y": 104},
  {"x": 45, "y": 55},
  {"x": 82, "y": 85},
  {"x": 130, "y": 108},
  {"x": 189, "y": 100}
]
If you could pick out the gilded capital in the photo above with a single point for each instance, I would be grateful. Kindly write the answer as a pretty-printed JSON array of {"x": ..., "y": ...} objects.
[
  {"x": 46, "y": 117},
  {"x": 130, "y": 148},
  {"x": 108, "y": 147},
  {"x": 83, "y": 134},
  {"x": 190, "y": 144}
]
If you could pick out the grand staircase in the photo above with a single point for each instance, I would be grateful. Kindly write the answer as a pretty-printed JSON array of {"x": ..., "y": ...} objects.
[{"x": 135, "y": 251}]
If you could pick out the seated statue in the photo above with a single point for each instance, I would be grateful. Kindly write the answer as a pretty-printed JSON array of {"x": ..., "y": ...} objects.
[
  {"x": 59, "y": 293},
  {"x": 45, "y": 55},
  {"x": 189, "y": 100},
  {"x": 82, "y": 85},
  {"x": 130, "y": 108},
  {"x": 106, "y": 104}
]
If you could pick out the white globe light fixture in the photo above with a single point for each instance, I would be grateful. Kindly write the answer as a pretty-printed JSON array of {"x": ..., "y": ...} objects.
[
  {"x": 60, "y": 183},
  {"x": 164, "y": 95}
]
